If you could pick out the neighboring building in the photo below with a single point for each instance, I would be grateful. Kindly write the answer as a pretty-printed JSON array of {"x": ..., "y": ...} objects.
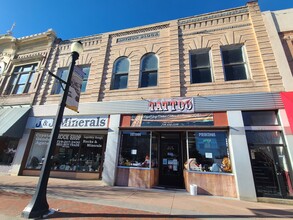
[
  {"x": 193, "y": 101},
  {"x": 280, "y": 33},
  {"x": 21, "y": 63}
]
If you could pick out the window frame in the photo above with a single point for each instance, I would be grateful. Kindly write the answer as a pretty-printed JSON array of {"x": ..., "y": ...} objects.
[
  {"x": 244, "y": 62},
  {"x": 57, "y": 85},
  {"x": 200, "y": 51},
  {"x": 138, "y": 161},
  {"x": 201, "y": 168},
  {"x": 85, "y": 79},
  {"x": 15, "y": 79},
  {"x": 116, "y": 74},
  {"x": 147, "y": 72}
]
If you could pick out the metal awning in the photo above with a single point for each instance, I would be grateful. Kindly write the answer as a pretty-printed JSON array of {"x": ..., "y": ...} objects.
[{"x": 13, "y": 121}]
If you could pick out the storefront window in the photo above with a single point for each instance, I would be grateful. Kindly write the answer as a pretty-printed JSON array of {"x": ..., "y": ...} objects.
[
  {"x": 74, "y": 152},
  {"x": 135, "y": 149},
  {"x": 260, "y": 118},
  {"x": 7, "y": 150},
  {"x": 264, "y": 137},
  {"x": 208, "y": 152}
]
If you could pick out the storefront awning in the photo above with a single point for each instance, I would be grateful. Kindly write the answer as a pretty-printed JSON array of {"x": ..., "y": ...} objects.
[{"x": 13, "y": 121}]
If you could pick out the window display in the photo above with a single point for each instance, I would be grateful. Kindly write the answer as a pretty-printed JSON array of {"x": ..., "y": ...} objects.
[
  {"x": 8, "y": 148},
  {"x": 74, "y": 152},
  {"x": 135, "y": 149},
  {"x": 208, "y": 152}
]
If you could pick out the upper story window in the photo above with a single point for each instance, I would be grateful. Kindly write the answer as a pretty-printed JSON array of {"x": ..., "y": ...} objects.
[
  {"x": 63, "y": 74},
  {"x": 86, "y": 70},
  {"x": 234, "y": 62},
  {"x": 21, "y": 79},
  {"x": 200, "y": 66},
  {"x": 149, "y": 70},
  {"x": 120, "y": 73}
]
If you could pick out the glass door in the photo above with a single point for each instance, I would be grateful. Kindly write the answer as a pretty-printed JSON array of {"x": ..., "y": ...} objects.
[
  {"x": 270, "y": 170},
  {"x": 171, "y": 173}
]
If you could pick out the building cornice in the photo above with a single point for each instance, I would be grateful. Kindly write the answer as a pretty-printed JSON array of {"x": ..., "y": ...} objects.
[
  {"x": 140, "y": 30},
  {"x": 213, "y": 15}
]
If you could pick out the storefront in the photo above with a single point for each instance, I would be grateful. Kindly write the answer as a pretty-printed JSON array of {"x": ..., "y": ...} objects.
[
  {"x": 237, "y": 146},
  {"x": 234, "y": 153},
  {"x": 175, "y": 148},
  {"x": 11, "y": 130},
  {"x": 80, "y": 148}
]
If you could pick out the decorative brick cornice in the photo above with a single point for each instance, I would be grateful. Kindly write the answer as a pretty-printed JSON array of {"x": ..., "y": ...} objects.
[
  {"x": 46, "y": 33},
  {"x": 82, "y": 39},
  {"x": 216, "y": 29},
  {"x": 214, "y": 15},
  {"x": 140, "y": 30},
  {"x": 28, "y": 58}
]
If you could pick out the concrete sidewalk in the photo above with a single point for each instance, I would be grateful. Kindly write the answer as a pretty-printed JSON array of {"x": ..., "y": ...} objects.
[{"x": 93, "y": 200}]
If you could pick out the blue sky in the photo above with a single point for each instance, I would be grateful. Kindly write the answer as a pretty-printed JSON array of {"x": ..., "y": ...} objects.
[{"x": 77, "y": 18}]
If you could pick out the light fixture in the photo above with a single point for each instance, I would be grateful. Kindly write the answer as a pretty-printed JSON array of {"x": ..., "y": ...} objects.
[{"x": 76, "y": 47}]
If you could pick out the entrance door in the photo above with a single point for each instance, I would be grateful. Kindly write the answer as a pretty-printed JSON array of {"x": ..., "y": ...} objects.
[
  {"x": 171, "y": 173},
  {"x": 271, "y": 171}
]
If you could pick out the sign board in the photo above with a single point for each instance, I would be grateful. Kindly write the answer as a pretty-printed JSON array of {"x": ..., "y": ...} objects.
[
  {"x": 172, "y": 120},
  {"x": 67, "y": 140},
  {"x": 75, "y": 89},
  {"x": 82, "y": 122},
  {"x": 174, "y": 105}
]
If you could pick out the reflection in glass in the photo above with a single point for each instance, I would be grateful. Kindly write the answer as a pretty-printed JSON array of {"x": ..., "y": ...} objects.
[
  {"x": 209, "y": 151},
  {"x": 135, "y": 149}
]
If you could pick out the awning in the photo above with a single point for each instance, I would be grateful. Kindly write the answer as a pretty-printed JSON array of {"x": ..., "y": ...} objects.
[{"x": 13, "y": 121}]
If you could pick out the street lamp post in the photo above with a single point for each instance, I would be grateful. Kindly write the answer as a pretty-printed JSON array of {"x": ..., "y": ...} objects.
[{"x": 38, "y": 206}]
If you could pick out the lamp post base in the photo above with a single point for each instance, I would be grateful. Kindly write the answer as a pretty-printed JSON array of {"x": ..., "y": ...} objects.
[{"x": 33, "y": 210}]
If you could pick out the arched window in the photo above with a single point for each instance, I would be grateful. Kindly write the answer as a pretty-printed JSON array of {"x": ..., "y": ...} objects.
[
  {"x": 120, "y": 73},
  {"x": 149, "y": 70}
]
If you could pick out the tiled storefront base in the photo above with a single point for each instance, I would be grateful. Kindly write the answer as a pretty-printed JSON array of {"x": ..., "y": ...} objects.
[{"x": 5, "y": 169}]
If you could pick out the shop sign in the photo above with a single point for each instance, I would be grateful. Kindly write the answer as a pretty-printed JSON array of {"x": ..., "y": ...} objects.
[
  {"x": 172, "y": 120},
  {"x": 85, "y": 122},
  {"x": 139, "y": 37},
  {"x": 92, "y": 140},
  {"x": 69, "y": 140},
  {"x": 178, "y": 105}
]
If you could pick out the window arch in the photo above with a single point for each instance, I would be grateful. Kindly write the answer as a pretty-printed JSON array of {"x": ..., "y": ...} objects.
[
  {"x": 149, "y": 70},
  {"x": 120, "y": 73}
]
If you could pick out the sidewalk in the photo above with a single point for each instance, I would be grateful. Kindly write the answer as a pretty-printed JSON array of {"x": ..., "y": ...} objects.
[{"x": 79, "y": 199}]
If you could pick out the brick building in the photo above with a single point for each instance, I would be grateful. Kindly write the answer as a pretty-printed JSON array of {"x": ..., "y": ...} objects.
[{"x": 192, "y": 101}]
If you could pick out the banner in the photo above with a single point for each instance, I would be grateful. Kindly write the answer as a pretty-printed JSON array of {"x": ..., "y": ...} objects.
[
  {"x": 75, "y": 89},
  {"x": 172, "y": 120}
]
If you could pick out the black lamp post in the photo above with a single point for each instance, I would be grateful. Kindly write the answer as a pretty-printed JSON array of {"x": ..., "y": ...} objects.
[{"x": 38, "y": 206}]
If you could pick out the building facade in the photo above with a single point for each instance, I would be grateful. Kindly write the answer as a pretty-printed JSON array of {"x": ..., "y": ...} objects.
[
  {"x": 21, "y": 63},
  {"x": 183, "y": 103}
]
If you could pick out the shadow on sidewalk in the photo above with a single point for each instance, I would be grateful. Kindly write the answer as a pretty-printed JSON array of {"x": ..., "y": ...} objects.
[{"x": 259, "y": 213}]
